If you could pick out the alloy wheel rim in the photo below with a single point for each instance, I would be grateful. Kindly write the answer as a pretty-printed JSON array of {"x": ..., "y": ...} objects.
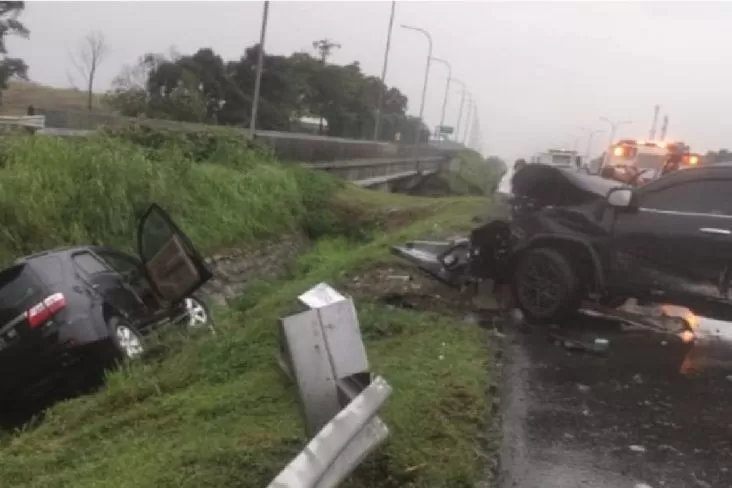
[
  {"x": 197, "y": 315},
  {"x": 129, "y": 341}
]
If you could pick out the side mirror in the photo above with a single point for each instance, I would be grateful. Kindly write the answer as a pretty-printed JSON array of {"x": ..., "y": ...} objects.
[{"x": 620, "y": 197}]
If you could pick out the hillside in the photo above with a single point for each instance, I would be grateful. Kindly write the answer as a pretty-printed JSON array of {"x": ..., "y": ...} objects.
[
  {"x": 216, "y": 411},
  {"x": 20, "y": 95}
]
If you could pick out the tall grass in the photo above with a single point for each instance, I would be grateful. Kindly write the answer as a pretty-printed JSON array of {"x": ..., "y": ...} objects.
[{"x": 59, "y": 191}]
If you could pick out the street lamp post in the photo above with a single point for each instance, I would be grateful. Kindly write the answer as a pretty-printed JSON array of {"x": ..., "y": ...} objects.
[
  {"x": 467, "y": 118},
  {"x": 590, "y": 135},
  {"x": 424, "y": 86},
  {"x": 447, "y": 91},
  {"x": 383, "y": 73},
  {"x": 613, "y": 127},
  {"x": 462, "y": 103},
  {"x": 258, "y": 79}
]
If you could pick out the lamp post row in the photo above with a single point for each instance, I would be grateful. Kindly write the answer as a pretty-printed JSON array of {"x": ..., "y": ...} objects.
[{"x": 379, "y": 107}]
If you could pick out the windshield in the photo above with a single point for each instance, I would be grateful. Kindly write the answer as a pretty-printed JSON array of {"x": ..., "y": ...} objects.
[
  {"x": 650, "y": 161},
  {"x": 562, "y": 159}
]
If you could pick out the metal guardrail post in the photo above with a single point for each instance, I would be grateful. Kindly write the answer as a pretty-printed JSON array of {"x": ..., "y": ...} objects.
[
  {"x": 341, "y": 445},
  {"x": 321, "y": 349}
]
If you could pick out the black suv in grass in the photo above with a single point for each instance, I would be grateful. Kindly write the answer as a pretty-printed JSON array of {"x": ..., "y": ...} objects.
[
  {"x": 582, "y": 237},
  {"x": 94, "y": 304}
]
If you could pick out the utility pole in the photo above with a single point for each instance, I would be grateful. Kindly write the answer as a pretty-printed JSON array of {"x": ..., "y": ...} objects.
[
  {"x": 325, "y": 48},
  {"x": 664, "y": 127},
  {"x": 424, "y": 86},
  {"x": 656, "y": 109},
  {"x": 258, "y": 79},
  {"x": 382, "y": 88}
]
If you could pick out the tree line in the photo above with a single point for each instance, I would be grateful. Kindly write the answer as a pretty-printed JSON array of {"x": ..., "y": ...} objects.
[{"x": 203, "y": 87}]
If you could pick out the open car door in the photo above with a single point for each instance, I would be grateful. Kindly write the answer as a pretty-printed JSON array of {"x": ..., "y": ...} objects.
[{"x": 174, "y": 267}]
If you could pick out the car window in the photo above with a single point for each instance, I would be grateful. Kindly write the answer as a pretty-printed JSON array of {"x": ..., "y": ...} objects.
[
  {"x": 705, "y": 196},
  {"x": 120, "y": 262},
  {"x": 89, "y": 263},
  {"x": 19, "y": 290}
]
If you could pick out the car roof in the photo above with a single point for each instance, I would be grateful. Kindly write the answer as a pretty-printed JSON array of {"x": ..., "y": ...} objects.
[{"x": 49, "y": 252}]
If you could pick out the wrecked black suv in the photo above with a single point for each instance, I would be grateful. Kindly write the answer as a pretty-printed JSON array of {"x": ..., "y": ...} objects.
[
  {"x": 573, "y": 237},
  {"x": 93, "y": 305}
]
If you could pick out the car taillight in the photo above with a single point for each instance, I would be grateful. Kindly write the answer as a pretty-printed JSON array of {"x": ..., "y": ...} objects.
[{"x": 38, "y": 314}]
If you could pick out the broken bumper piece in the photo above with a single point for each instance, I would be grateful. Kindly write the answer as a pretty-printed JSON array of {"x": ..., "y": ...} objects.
[
  {"x": 447, "y": 261},
  {"x": 463, "y": 261}
]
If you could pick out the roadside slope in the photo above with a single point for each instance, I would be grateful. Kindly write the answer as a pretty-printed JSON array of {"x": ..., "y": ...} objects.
[{"x": 216, "y": 411}]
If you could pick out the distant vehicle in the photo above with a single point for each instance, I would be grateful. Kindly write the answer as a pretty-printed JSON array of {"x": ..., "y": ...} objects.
[
  {"x": 561, "y": 158},
  {"x": 94, "y": 305},
  {"x": 637, "y": 162},
  {"x": 590, "y": 238}
]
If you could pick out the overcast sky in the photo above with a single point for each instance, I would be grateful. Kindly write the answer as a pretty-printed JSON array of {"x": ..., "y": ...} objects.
[{"x": 539, "y": 71}]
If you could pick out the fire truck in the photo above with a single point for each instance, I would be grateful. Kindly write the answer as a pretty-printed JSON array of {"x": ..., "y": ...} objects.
[{"x": 639, "y": 161}]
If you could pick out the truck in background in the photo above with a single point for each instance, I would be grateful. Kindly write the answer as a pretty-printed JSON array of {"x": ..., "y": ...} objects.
[{"x": 562, "y": 158}]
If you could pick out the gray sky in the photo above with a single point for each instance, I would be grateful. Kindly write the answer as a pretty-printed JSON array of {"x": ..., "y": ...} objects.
[{"x": 538, "y": 70}]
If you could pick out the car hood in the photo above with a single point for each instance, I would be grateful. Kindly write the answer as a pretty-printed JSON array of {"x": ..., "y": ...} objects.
[{"x": 551, "y": 185}]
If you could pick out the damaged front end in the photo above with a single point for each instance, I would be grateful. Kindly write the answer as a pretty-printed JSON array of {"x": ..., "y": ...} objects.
[
  {"x": 463, "y": 262},
  {"x": 487, "y": 253}
]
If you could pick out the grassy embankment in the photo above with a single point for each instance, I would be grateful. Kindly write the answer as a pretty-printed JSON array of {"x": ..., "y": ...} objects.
[
  {"x": 217, "y": 412},
  {"x": 20, "y": 95}
]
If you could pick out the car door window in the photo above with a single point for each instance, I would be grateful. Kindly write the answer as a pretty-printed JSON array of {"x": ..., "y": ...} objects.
[
  {"x": 704, "y": 196},
  {"x": 90, "y": 264},
  {"x": 172, "y": 263},
  {"x": 120, "y": 262}
]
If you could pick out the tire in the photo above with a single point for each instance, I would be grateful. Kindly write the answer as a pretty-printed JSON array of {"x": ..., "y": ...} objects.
[
  {"x": 538, "y": 270},
  {"x": 199, "y": 315},
  {"x": 126, "y": 341}
]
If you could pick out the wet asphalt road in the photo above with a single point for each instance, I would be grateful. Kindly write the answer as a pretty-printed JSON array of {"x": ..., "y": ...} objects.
[{"x": 646, "y": 413}]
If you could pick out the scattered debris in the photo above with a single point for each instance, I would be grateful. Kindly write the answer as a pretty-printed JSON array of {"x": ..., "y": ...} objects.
[
  {"x": 638, "y": 379},
  {"x": 729, "y": 378},
  {"x": 400, "y": 277},
  {"x": 599, "y": 345},
  {"x": 583, "y": 388},
  {"x": 642, "y": 485},
  {"x": 637, "y": 448}
]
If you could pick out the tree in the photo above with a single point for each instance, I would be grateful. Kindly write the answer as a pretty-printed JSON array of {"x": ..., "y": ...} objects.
[
  {"x": 92, "y": 52},
  {"x": 10, "y": 25}
]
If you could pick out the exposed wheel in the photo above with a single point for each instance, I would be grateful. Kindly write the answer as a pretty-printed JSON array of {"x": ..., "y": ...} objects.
[
  {"x": 127, "y": 341},
  {"x": 198, "y": 314},
  {"x": 545, "y": 285}
]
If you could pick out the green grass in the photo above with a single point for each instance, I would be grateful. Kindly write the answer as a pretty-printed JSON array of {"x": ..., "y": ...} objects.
[
  {"x": 204, "y": 411},
  {"x": 58, "y": 191},
  {"x": 474, "y": 177}
]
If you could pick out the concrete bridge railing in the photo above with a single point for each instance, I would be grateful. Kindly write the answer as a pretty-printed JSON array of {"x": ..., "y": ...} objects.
[{"x": 368, "y": 163}]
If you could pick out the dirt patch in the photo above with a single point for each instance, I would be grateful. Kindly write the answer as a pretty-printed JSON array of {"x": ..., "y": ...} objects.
[{"x": 403, "y": 286}]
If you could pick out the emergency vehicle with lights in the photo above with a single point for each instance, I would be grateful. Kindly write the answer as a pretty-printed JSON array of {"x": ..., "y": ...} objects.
[{"x": 639, "y": 161}]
